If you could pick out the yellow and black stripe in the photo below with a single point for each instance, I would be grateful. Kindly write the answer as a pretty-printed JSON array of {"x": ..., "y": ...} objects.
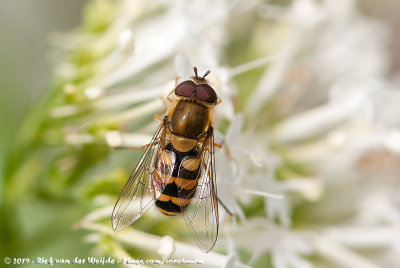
[{"x": 181, "y": 188}]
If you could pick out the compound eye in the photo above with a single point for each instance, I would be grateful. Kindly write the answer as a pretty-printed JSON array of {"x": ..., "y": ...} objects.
[
  {"x": 185, "y": 89},
  {"x": 206, "y": 93}
]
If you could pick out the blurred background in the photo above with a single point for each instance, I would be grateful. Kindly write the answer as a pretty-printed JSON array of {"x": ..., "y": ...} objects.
[
  {"x": 56, "y": 163},
  {"x": 26, "y": 73},
  {"x": 26, "y": 29}
]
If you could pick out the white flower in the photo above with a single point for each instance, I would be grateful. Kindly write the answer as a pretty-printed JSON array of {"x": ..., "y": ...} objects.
[{"x": 125, "y": 42}]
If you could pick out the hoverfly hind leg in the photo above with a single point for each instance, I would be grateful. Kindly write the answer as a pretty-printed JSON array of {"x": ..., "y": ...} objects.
[{"x": 225, "y": 207}]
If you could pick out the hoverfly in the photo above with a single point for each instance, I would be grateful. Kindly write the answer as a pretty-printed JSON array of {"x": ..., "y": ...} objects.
[{"x": 176, "y": 172}]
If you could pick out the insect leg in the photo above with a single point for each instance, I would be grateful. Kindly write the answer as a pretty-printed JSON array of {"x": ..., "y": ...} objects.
[
  {"x": 169, "y": 94},
  {"x": 131, "y": 148},
  {"x": 173, "y": 90},
  {"x": 225, "y": 207},
  {"x": 218, "y": 101},
  {"x": 218, "y": 145},
  {"x": 164, "y": 120},
  {"x": 157, "y": 115}
]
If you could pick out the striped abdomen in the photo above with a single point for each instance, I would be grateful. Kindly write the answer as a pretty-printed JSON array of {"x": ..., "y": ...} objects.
[{"x": 179, "y": 191}]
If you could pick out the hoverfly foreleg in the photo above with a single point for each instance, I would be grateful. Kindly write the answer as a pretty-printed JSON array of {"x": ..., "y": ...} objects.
[
  {"x": 173, "y": 90},
  {"x": 169, "y": 94},
  {"x": 165, "y": 107},
  {"x": 225, "y": 207}
]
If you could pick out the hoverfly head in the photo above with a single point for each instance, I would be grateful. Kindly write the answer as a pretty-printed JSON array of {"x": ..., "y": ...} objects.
[{"x": 197, "y": 88}]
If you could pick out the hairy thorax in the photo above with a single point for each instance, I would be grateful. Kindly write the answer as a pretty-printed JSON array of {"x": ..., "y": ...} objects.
[{"x": 189, "y": 119}]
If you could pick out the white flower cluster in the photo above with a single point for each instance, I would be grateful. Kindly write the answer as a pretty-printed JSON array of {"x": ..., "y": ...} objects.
[{"x": 317, "y": 139}]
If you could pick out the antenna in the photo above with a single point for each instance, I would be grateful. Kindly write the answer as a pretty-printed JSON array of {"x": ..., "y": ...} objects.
[
  {"x": 195, "y": 72},
  {"x": 197, "y": 76}
]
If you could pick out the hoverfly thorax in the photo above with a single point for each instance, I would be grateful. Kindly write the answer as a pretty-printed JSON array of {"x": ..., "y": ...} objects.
[{"x": 191, "y": 116}]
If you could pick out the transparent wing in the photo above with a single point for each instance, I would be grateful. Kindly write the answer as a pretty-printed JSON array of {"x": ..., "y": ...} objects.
[
  {"x": 145, "y": 184},
  {"x": 201, "y": 215}
]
